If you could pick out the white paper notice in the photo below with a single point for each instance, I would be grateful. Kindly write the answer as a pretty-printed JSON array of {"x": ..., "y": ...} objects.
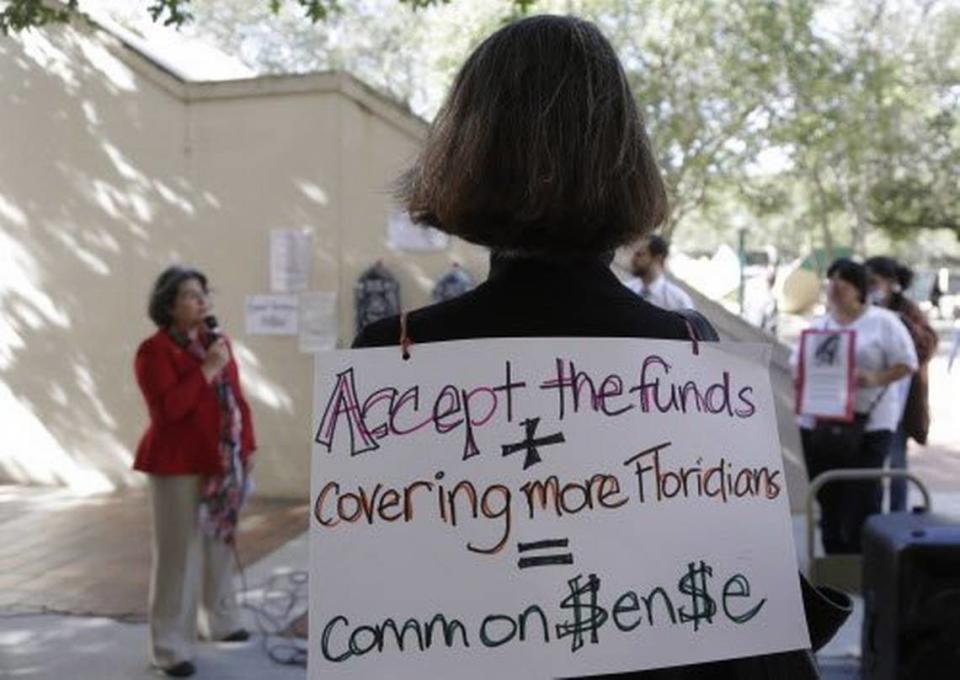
[
  {"x": 318, "y": 321},
  {"x": 826, "y": 374},
  {"x": 289, "y": 260},
  {"x": 403, "y": 234},
  {"x": 542, "y": 508},
  {"x": 272, "y": 314}
]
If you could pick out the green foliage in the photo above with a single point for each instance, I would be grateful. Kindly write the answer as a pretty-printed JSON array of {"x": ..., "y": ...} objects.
[
  {"x": 21, "y": 14},
  {"x": 918, "y": 187},
  {"x": 861, "y": 115},
  {"x": 170, "y": 12},
  {"x": 315, "y": 10},
  {"x": 422, "y": 4},
  {"x": 817, "y": 123},
  {"x": 704, "y": 72},
  {"x": 902, "y": 206}
]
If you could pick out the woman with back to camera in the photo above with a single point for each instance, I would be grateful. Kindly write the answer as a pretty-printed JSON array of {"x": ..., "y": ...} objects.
[
  {"x": 884, "y": 354},
  {"x": 888, "y": 280},
  {"x": 540, "y": 154},
  {"x": 197, "y": 455}
]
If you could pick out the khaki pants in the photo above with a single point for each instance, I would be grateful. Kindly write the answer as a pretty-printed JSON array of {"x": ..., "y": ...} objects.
[{"x": 187, "y": 564}]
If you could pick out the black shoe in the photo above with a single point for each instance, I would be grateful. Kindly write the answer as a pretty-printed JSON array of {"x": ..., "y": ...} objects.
[
  {"x": 237, "y": 636},
  {"x": 184, "y": 669}
]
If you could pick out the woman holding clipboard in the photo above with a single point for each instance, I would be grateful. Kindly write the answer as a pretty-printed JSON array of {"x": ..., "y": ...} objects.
[{"x": 882, "y": 353}]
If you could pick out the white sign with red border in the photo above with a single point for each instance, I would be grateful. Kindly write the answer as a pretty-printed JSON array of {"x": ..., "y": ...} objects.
[{"x": 826, "y": 388}]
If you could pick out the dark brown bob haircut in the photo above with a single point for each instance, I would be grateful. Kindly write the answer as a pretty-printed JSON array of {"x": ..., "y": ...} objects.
[
  {"x": 165, "y": 290},
  {"x": 539, "y": 147}
]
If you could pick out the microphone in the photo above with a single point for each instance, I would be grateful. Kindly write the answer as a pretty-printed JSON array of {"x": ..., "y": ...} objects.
[{"x": 213, "y": 329}]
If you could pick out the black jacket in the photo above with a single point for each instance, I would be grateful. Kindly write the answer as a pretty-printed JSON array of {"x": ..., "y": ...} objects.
[
  {"x": 527, "y": 297},
  {"x": 535, "y": 298}
]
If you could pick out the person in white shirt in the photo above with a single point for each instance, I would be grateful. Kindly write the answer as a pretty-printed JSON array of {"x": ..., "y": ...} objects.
[
  {"x": 884, "y": 354},
  {"x": 648, "y": 266}
]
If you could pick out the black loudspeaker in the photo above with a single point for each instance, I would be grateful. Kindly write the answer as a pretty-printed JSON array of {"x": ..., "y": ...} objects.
[{"x": 911, "y": 596}]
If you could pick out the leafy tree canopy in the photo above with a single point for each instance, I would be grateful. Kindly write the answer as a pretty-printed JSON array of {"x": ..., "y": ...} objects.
[
  {"x": 812, "y": 122},
  {"x": 21, "y": 14}
]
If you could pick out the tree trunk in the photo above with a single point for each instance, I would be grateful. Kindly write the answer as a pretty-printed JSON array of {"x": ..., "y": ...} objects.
[{"x": 823, "y": 212}]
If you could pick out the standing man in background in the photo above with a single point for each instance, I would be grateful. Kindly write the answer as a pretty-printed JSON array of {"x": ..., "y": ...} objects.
[{"x": 648, "y": 265}]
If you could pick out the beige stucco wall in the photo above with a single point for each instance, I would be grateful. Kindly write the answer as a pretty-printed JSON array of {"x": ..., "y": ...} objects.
[{"x": 110, "y": 169}]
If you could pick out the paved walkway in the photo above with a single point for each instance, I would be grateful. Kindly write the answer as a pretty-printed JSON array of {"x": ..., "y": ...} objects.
[
  {"x": 104, "y": 536},
  {"x": 45, "y": 647},
  {"x": 91, "y": 555}
]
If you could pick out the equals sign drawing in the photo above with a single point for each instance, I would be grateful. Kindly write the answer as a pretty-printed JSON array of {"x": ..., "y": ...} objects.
[{"x": 544, "y": 560}]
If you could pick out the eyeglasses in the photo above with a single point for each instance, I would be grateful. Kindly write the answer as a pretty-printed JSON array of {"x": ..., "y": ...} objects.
[{"x": 197, "y": 295}]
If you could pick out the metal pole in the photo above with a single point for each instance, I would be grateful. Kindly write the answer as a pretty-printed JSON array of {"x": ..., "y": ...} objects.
[
  {"x": 855, "y": 475},
  {"x": 742, "y": 250}
]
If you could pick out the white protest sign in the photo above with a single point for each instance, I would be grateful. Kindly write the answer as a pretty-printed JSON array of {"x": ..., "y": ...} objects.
[
  {"x": 826, "y": 387},
  {"x": 540, "y": 508}
]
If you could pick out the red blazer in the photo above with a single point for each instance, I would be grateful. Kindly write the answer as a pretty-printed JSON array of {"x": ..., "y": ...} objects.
[{"x": 182, "y": 437}]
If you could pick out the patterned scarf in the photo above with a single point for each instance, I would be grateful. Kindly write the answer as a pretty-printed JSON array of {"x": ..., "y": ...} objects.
[{"x": 222, "y": 495}]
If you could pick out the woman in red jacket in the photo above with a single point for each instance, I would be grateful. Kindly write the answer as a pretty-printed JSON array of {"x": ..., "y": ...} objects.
[{"x": 196, "y": 452}]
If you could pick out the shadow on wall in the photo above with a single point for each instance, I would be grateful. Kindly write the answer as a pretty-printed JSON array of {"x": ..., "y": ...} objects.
[{"x": 96, "y": 196}]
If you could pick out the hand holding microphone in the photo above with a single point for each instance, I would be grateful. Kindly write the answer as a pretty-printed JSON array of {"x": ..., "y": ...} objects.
[{"x": 218, "y": 353}]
